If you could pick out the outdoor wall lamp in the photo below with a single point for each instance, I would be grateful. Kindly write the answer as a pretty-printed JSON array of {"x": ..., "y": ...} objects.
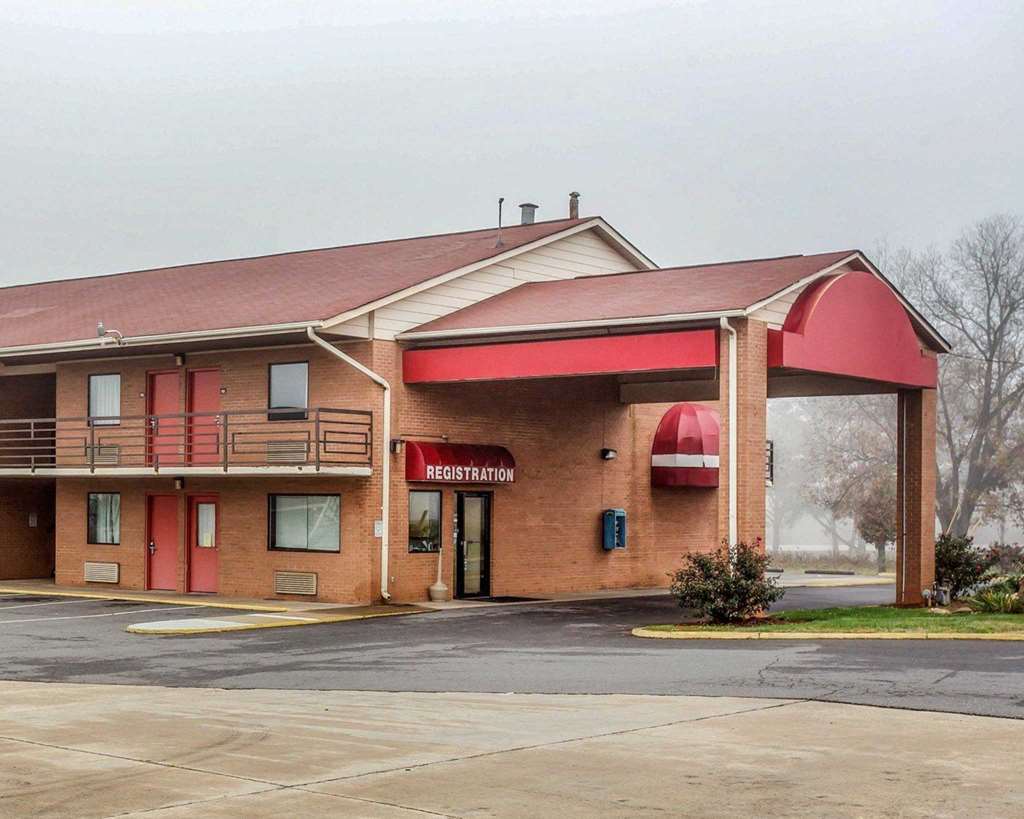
[
  {"x": 397, "y": 446},
  {"x": 609, "y": 454}
]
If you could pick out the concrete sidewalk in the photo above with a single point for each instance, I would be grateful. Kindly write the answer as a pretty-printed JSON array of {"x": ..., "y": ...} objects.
[{"x": 89, "y": 750}]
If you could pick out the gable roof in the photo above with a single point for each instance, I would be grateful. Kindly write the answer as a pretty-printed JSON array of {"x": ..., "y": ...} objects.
[
  {"x": 280, "y": 290},
  {"x": 667, "y": 294}
]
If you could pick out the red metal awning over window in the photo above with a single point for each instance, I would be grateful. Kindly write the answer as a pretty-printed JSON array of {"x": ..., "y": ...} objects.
[
  {"x": 685, "y": 448},
  {"x": 458, "y": 463}
]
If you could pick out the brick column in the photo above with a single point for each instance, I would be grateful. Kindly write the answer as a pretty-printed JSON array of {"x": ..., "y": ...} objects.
[
  {"x": 915, "y": 495},
  {"x": 751, "y": 420}
]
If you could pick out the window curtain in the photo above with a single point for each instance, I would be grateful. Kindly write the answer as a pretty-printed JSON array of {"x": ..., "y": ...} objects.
[
  {"x": 105, "y": 397},
  {"x": 105, "y": 518}
]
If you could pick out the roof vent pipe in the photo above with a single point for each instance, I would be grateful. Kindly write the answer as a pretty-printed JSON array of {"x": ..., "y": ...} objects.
[
  {"x": 574, "y": 205},
  {"x": 528, "y": 210}
]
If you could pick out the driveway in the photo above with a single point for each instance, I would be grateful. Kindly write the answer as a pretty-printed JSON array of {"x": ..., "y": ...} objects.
[
  {"x": 569, "y": 647},
  {"x": 92, "y": 750}
]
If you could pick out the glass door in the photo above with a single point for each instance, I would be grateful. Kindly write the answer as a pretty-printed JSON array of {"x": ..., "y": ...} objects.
[{"x": 473, "y": 544}]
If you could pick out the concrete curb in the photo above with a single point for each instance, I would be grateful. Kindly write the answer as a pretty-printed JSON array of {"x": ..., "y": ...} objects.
[
  {"x": 134, "y": 598},
  {"x": 172, "y": 627},
  {"x": 823, "y": 635}
]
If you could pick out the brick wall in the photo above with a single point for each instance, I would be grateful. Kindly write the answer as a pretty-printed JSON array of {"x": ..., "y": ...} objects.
[
  {"x": 546, "y": 526},
  {"x": 915, "y": 536},
  {"x": 246, "y": 565},
  {"x": 751, "y": 411}
]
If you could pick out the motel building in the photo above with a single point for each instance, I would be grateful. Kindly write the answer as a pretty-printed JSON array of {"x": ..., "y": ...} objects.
[{"x": 531, "y": 410}]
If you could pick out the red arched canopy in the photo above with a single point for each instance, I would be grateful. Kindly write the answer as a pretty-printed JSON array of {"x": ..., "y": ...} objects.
[
  {"x": 852, "y": 325},
  {"x": 685, "y": 448}
]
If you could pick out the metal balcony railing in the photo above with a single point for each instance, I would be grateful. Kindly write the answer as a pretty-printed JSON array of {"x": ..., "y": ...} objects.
[{"x": 321, "y": 438}]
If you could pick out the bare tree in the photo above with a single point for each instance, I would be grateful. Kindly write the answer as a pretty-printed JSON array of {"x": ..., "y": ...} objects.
[
  {"x": 852, "y": 447},
  {"x": 974, "y": 294}
]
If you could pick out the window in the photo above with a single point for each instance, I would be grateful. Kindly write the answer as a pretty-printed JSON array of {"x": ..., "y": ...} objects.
[
  {"x": 105, "y": 399},
  {"x": 305, "y": 523},
  {"x": 206, "y": 525},
  {"x": 104, "y": 518},
  {"x": 288, "y": 391},
  {"x": 424, "y": 521}
]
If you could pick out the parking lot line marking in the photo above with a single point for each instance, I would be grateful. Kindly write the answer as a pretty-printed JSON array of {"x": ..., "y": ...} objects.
[
  {"x": 30, "y": 605},
  {"x": 86, "y": 616}
]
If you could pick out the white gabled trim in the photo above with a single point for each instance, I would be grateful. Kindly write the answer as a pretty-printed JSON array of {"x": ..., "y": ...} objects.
[
  {"x": 164, "y": 338},
  {"x": 799, "y": 285},
  {"x": 610, "y": 233},
  {"x": 858, "y": 256},
  {"x": 567, "y": 325}
]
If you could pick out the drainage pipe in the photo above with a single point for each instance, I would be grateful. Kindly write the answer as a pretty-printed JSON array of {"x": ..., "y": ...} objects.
[
  {"x": 733, "y": 536},
  {"x": 385, "y": 458}
]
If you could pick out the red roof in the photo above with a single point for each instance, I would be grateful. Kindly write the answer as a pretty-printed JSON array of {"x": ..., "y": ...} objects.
[
  {"x": 666, "y": 291},
  {"x": 305, "y": 286}
]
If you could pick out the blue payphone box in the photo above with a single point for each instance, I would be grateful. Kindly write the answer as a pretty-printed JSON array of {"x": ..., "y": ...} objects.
[{"x": 614, "y": 529}]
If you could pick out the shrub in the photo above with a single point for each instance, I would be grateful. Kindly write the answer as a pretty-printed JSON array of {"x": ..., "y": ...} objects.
[
  {"x": 1006, "y": 558},
  {"x": 997, "y": 601},
  {"x": 726, "y": 585},
  {"x": 958, "y": 564}
]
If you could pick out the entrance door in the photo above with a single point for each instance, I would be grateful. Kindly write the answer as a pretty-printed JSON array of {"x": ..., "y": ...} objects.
[
  {"x": 473, "y": 544},
  {"x": 162, "y": 557},
  {"x": 203, "y": 557},
  {"x": 163, "y": 445},
  {"x": 204, "y": 430}
]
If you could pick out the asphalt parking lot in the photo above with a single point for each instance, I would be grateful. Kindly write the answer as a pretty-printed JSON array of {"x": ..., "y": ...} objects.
[{"x": 569, "y": 647}]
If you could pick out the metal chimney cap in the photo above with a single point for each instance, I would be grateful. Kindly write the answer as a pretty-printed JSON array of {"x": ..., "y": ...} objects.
[{"x": 528, "y": 209}]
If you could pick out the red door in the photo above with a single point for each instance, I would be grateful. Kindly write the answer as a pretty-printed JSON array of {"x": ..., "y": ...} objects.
[
  {"x": 203, "y": 557},
  {"x": 162, "y": 525},
  {"x": 164, "y": 444},
  {"x": 204, "y": 430}
]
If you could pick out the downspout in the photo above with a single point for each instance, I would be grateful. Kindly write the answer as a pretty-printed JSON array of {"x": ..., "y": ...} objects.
[
  {"x": 385, "y": 468},
  {"x": 732, "y": 431}
]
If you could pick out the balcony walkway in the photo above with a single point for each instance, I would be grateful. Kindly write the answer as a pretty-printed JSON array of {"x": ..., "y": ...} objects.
[{"x": 317, "y": 441}]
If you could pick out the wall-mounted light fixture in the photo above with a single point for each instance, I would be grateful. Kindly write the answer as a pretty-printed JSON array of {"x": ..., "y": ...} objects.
[
  {"x": 179, "y": 360},
  {"x": 609, "y": 454},
  {"x": 179, "y": 483},
  {"x": 397, "y": 446}
]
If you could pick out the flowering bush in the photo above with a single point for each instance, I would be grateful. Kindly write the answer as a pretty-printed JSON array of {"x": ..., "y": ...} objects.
[{"x": 726, "y": 585}]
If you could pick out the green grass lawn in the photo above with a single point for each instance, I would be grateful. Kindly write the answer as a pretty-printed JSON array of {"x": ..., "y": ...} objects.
[{"x": 872, "y": 618}]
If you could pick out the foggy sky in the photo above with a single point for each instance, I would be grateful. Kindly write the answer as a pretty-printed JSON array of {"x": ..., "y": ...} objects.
[{"x": 152, "y": 133}]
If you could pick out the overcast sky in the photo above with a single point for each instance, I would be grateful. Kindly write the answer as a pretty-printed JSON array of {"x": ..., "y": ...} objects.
[{"x": 141, "y": 134}]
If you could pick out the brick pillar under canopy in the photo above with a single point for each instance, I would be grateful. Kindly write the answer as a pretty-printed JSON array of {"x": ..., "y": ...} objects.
[
  {"x": 751, "y": 427},
  {"x": 915, "y": 495}
]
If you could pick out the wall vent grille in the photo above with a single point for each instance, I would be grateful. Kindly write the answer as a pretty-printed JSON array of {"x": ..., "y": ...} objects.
[
  {"x": 286, "y": 452},
  {"x": 295, "y": 583},
  {"x": 102, "y": 572}
]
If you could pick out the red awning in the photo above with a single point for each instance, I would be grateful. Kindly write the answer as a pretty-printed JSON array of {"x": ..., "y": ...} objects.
[
  {"x": 458, "y": 463},
  {"x": 685, "y": 448}
]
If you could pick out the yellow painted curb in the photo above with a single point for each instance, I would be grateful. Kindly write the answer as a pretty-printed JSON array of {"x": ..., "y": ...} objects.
[
  {"x": 823, "y": 635},
  {"x": 237, "y": 627},
  {"x": 135, "y": 598}
]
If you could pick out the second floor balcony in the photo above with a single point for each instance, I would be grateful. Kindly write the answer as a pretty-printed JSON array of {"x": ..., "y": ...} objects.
[{"x": 321, "y": 440}]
